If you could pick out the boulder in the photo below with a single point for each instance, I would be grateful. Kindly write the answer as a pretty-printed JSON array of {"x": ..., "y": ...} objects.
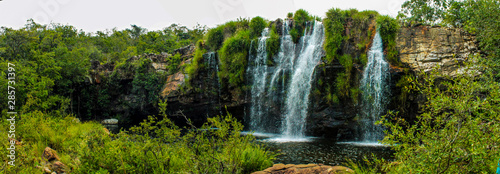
[
  {"x": 50, "y": 154},
  {"x": 58, "y": 167},
  {"x": 305, "y": 169},
  {"x": 112, "y": 121}
]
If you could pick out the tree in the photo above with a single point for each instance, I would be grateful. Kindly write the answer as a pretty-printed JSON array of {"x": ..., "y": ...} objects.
[
  {"x": 424, "y": 11},
  {"x": 458, "y": 129}
]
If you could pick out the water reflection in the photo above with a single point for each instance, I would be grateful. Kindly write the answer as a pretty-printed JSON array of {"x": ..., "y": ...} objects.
[{"x": 324, "y": 151}]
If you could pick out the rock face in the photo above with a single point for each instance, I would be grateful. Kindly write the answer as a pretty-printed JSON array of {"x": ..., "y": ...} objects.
[
  {"x": 422, "y": 48},
  {"x": 305, "y": 169}
]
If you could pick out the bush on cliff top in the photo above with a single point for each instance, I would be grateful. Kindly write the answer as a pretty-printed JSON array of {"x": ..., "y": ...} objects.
[
  {"x": 334, "y": 27},
  {"x": 233, "y": 58},
  {"x": 388, "y": 28},
  {"x": 257, "y": 24}
]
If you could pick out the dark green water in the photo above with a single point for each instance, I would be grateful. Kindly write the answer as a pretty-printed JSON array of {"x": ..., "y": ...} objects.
[{"x": 324, "y": 151}]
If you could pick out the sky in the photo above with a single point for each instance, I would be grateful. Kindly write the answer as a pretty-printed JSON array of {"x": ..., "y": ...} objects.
[{"x": 100, "y": 15}]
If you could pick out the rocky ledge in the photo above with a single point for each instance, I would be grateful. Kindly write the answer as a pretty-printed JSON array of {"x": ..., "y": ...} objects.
[
  {"x": 423, "y": 48},
  {"x": 304, "y": 168}
]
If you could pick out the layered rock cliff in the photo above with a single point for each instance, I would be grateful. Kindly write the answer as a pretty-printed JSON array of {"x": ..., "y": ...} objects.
[{"x": 423, "y": 48}]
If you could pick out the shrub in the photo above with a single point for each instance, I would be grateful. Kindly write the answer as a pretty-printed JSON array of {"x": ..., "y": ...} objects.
[
  {"x": 173, "y": 63},
  {"x": 233, "y": 58},
  {"x": 194, "y": 67},
  {"x": 155, "y": 146},
  {"x": 334, "y": 27},
  {"x": 388, "y": 28},
  {"x": 295, "y": 34},
  {"x": 257, "y": 24},
  {"x": 300, "y": 18},
  {"x": 272, "y": 44},
  {"x": 215, "y": 37},
  {"x": 458, "y": 129}
]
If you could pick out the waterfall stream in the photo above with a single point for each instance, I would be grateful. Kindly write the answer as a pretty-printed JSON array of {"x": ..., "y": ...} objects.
[
  {"x": 297, "y": 101},
  {"x": 257, "y": 71},
  {"x": 374, "y": 85},
  {"x": 286, "y": 84}
]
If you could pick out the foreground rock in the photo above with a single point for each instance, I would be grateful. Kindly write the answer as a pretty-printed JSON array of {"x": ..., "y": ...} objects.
[
  {"x": 304, "y": 168},
  {"x": 51, "y": 163}
]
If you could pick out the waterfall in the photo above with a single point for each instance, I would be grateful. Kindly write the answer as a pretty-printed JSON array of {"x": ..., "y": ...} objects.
[
  {"x": 284, "y": 62},
  {"x": 257, "y": 71},
  {"x": 297, "y": 100},
  {"x": 374, "y": 85},
  {"x": 213, "y": 65},
  {"x": 286, "y": 85}
]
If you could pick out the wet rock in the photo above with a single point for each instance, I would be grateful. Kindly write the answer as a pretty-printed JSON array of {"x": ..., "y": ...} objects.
[{"x": 112, "y": 121}]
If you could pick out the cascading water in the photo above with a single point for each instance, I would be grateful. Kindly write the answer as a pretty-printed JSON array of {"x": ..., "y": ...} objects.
[
  {"x": 284, "y": 62},
  {"x": 374, "y": 85},
  {"x": 297, "y": 101},
  {"x": 213, "y": 65},
  {"x": 295, "y": 62},
  {"x": 258, "y": 73}
]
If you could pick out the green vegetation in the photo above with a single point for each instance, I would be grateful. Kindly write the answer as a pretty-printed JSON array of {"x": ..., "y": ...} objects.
[
  {"x": 174, "y": 63},
  {"x": 215, "y": 38},
  {"x": 458, "y": 131},
  {"x": 388, "y": 29},
  {"x": 272, "y": 44},
  {"x": 334, "y": 28},
  {"x": 196, "y": 65},
  {"x": 344, "y": 28},
  {"x": 233, "y": 57},
  {"x": 61, "y": 65},
  {"x": 257, "y": 24},
  {"x": 155, "y": 146}
]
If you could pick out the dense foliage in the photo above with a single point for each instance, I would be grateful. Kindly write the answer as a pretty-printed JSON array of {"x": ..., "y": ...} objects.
[
  {"x": 61, "y": 65},
  {"x": 155, "y": 146},
  {"x": 348, "y": 36},
  {"x": 388, "y": 28},
  {"x": 458, "y": 131},
  {"x": 233, "y": 57}
]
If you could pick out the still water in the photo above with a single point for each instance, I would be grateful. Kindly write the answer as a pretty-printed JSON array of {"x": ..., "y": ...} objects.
[{"x": 321, "y": 150}]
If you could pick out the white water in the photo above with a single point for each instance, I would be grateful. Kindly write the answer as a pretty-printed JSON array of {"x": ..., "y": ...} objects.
[
  {"x": 258, "y": 72},
  {"x": 374, "y": 85},
  {"x": 297, "y": 101},
  {"x": 213, "y": 65},
  {"x": 287, "y": 84}
]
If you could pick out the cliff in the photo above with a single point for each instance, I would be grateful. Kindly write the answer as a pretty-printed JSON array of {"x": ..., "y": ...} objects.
[{"x": 423, "y": 48}]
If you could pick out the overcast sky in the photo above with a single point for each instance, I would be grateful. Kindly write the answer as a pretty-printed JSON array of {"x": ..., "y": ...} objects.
[{"x": 99, "y": 15}]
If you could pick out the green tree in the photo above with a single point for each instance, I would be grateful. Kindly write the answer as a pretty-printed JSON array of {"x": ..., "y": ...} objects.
[
  {"x": 257, "y": 24},
  {"x": 458, "y": 129}
]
